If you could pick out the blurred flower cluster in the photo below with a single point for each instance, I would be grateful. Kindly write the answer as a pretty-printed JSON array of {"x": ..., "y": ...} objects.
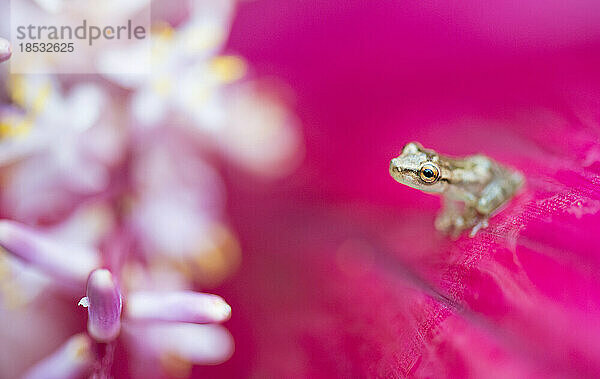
[{"x": 112, "y": 197}]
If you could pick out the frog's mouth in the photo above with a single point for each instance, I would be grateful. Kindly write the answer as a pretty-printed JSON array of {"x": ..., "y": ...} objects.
[
  {"x": 404, "y": 176},
  {"x": 396, "y": 172}
]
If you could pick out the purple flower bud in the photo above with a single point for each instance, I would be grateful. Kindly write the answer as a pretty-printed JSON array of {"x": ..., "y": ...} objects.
[
  {"x": 70, "y": 264},
  {"x": 104, "y": 304},
  {"x": 5, "y": 50},
  {"x": 183, "y": 306},
  {"x": 72, "y": 360}
]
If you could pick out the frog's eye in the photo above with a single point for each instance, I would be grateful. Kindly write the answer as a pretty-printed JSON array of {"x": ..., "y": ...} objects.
[{"x": 429, "y": 173}]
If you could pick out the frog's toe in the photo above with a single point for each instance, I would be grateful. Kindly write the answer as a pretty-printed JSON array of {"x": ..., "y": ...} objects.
[
  {"x": 444, "y": 224},
  {"x": 482, "y": 224}
]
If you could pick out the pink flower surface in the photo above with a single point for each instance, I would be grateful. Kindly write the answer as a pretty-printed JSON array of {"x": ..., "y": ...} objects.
[{"x": 345, "y": 275}]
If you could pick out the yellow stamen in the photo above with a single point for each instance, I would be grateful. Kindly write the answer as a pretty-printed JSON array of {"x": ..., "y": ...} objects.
[
  {"x": 175, "y": 365},
  {"x": 210, "y": 266},
  {"x": 162, "y": 41},
  {"x": 163, "y": 31},
  {"x": 19, "y": 93},
  {"x": 12, "y": 127},
  {"x": 163, "y": 86},
  {"x": 229, "y": 68},
  {"x": 9, "y": 290},
  {"x": 16, "y": 88},
  {"x": 41, "y": 98}
]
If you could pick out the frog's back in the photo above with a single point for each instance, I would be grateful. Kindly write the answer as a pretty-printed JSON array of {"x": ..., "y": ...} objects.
[{"x": 473, "y": 171}]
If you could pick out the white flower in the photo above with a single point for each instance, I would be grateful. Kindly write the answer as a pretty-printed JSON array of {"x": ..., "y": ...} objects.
[
  {"x": 45, "y": 118},
  {"x": 187, "y": 75}
]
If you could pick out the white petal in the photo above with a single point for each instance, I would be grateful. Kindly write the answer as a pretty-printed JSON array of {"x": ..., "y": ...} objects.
[
  {"x": 122, "y": 65},
  {"x": 148, "y": 108},
  {"x": 261, "y": 134},
  {"x": 84, "y": 106},
  {"x": 184, "y": 306},
  {"x": 195, "y": 343}
]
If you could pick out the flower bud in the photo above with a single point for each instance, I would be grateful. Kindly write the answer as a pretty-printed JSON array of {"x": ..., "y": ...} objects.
[
  {"x": 5, "y": 50},
  {"x": 104, "y": 305}
]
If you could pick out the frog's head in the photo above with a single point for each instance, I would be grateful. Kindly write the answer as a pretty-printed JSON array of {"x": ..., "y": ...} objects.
[{"x": 418, "y": 168}]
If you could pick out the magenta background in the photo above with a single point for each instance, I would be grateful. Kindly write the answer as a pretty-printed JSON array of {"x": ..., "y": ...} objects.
[{"x": 515, "y": 80}]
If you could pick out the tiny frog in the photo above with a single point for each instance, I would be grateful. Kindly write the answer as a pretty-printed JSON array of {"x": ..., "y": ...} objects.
[{"x": 472, "y": 188}]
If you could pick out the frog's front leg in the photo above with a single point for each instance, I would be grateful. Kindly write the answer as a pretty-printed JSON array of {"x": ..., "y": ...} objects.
[
  {"x": 498, "y": 192},
  {"x": 493, "y": 197},
  {"x": 456, "y": 216}
]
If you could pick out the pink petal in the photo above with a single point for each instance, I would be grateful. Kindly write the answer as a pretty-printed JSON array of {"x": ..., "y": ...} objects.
[
  {"x": 71, "y": 264},
  {"x": 72, "y": 360}
]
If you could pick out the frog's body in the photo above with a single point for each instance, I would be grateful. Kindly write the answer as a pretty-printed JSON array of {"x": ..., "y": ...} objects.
[{"x": 472, "y": 188}]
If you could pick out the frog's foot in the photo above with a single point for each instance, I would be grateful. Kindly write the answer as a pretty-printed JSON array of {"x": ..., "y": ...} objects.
[
  {"x": 452, "y": 224},
  {"x": 482, "y": 224},
  {"x": 444, "y": 222}
]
